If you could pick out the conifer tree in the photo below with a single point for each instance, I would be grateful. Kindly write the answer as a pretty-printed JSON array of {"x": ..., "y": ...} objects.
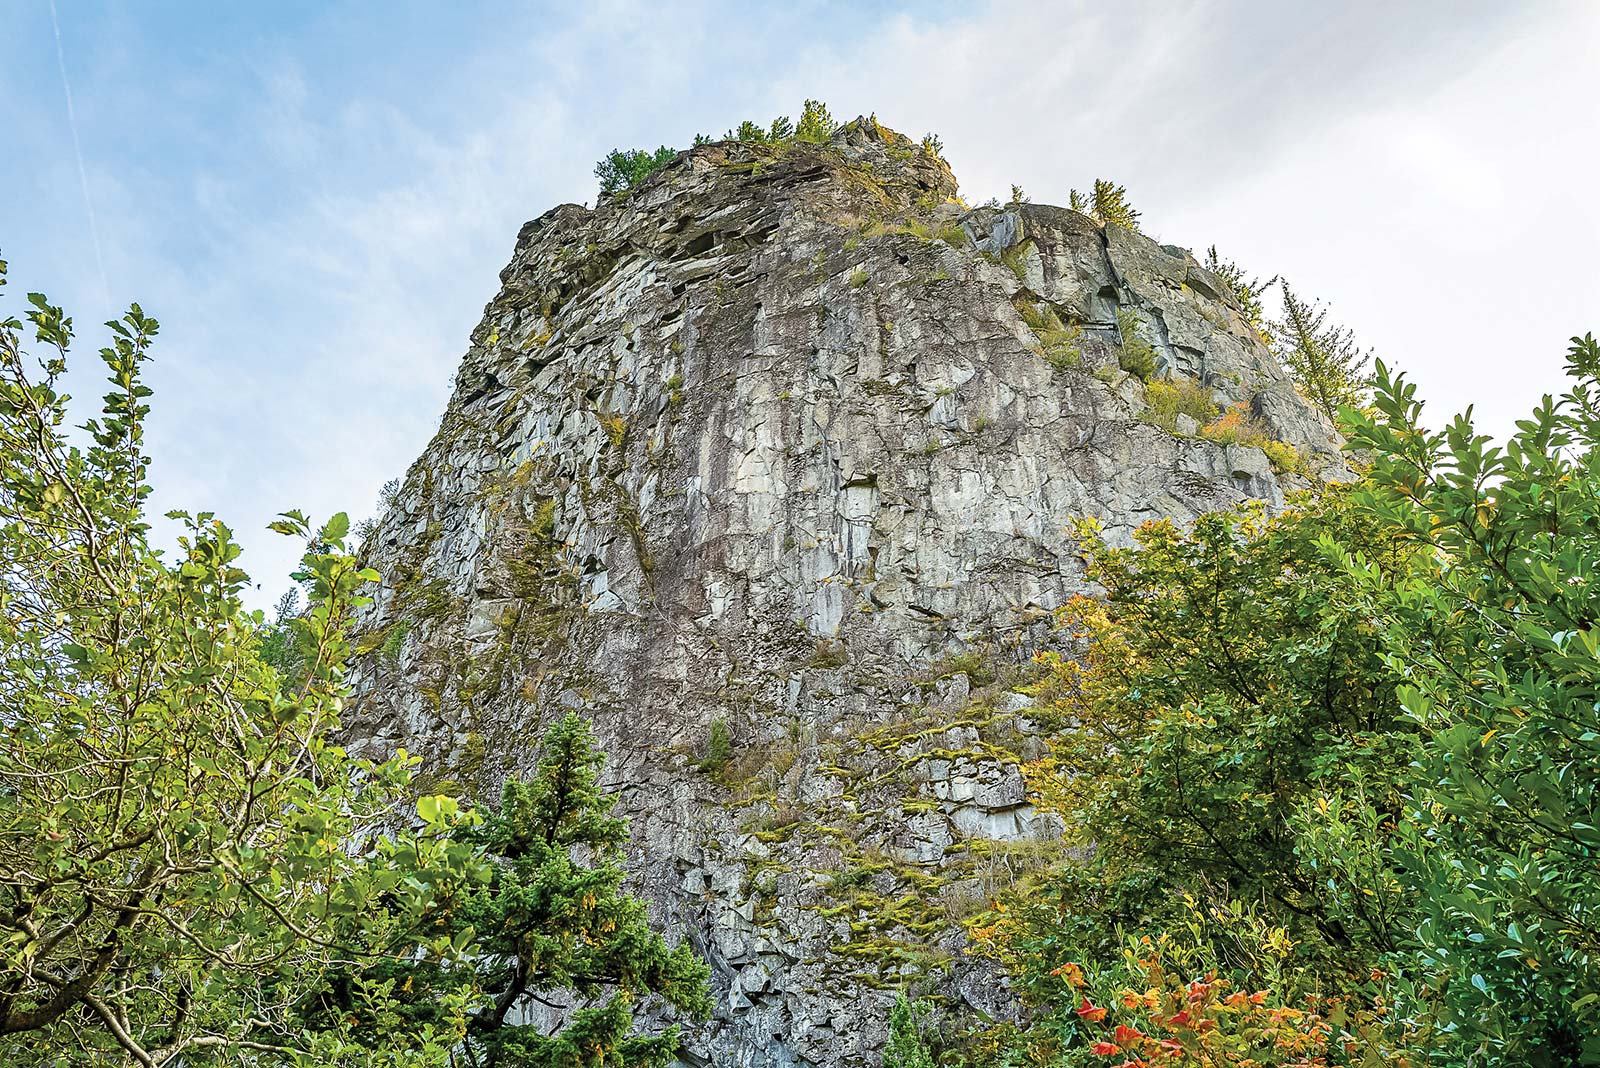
[
  {"x": 816, "y": 124},
  {"x": 906, "y": 1047},
  {"x": 1108, "y": 203},
  {"x": 555, "y": 921},
  {"x": 1246, "y": 292},
  {"x": 1327, "y": 365}
]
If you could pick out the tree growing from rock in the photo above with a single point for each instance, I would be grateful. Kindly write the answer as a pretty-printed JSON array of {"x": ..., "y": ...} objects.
[
  {"x": 1107, "y": 202},
  {"x": 1245, "y": 290},
  {"x": 621, "y": 170},
  {"x": 1324, "y": 359}
]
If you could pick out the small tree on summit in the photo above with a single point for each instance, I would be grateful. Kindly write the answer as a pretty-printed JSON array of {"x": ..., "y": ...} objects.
[
  {"x": 1108, "y": 203},
  {"x": 1324, "y": 359},
  {"x": 816, "y": 124},
  {"x": 625, "y": 169}
]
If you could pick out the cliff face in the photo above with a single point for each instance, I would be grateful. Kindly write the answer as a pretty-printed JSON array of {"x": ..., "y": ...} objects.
[{"x": 770, "y": 443}]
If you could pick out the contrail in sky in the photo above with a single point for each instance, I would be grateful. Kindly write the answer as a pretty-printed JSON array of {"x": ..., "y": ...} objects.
[{"x": 77, "y": 148}]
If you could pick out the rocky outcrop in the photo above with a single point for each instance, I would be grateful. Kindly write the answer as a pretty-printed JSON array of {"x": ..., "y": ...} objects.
[{"x": 790, "y": 440}]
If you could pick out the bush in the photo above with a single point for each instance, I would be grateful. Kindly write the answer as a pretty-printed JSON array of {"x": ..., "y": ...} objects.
[
  {"x": 622, "y": 170},
  {"x": 1237, "y": 426},
  {"x": 1135, "y": 355},
  {"x": 906, "y": 1047},
  {"x": 1171, "y": 398},
  {"x": 1060, "y": 348},
  {"x": 719, "y": 748}
]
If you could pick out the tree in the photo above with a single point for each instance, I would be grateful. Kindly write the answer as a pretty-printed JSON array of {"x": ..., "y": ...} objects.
[
  {"x": 556, "y": 930},
  {"x": 1225, "y": 688},
  {"x": 906, "y": 1047},
  {"x": 621, "y": 170},
  {"x": 1324, "y": 359},
  {"x": 1108, "y": 203},
  {"x": 1227, "y": 749},
  {"x": 1501, "y": 659},
  {"x": 816, "y": 125},
  {"x": 184, "y": 851},
  {"x": 1245, "y": 291}
]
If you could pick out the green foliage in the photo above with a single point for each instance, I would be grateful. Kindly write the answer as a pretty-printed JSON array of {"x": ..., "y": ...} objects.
[
  {"x": 1135, "y": 355},
  {"x": 1228, "y": 683},
  {"x": 184, "y": 851},
  {"x": 906, "y": 1047},
  {"x": 1502, "y": 668},
  {"x": 1168, "y": 399},
  {"x": 1245, "y": 291},
  {"x": 551, "y": 925},
  {"x": 1230, "y": 719},
  {"x": 191, "y": 871},
  {"x": 1327, "y": 365},
  {"x": 719, "y": 748},
  {"x": 621, "y": 170},
  {"x": 1107, "y": 203},
  {"x": 816, "y": 125}
]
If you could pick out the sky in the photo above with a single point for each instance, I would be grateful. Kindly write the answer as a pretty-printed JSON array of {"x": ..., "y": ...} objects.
[{"x": 316, "y": 199}]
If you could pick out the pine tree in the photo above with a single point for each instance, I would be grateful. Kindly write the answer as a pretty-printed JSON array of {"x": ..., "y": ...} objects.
[
  {"x": 554, "y": 923},
  {"x": 1111, "y": 205},
  {"x": 1328, "y": 366},
  {"x": 816, "y": 124},
  {"x": 1246, "y": 292},
  {"x": 906, "y": 1047},
  {"x": 1108, "y": 203},
  {"x": 625, "y": 169}
]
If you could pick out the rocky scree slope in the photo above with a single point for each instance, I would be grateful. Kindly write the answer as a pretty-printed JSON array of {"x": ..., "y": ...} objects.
[{"x": 786, "y": 442}]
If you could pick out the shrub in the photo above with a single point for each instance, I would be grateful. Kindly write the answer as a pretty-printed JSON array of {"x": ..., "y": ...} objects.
[
  {"x": 1060, "y": 348},
  {"x": 1171, "y": 398},
  {"x": 858, "y": 279},
  {"x": 906, "y": 1047},
  {"x": 1135, "y": 355},
  {"x": 719, "y": 748},
  {"x": 1237, "y": 426}
]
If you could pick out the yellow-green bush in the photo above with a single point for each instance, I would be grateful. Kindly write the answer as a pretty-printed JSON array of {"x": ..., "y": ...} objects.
[{"x": 1170, "y": 398}]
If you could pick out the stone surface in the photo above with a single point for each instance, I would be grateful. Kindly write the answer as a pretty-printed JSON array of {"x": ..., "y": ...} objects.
[{"x": 723, "y": 449}]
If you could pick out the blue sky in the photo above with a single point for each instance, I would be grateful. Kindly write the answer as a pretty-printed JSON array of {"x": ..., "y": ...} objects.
[{"x": 315, "y": 199}]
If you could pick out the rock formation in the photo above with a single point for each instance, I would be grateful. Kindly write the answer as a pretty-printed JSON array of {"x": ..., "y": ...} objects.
[{"x": 786, "y": 443}]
